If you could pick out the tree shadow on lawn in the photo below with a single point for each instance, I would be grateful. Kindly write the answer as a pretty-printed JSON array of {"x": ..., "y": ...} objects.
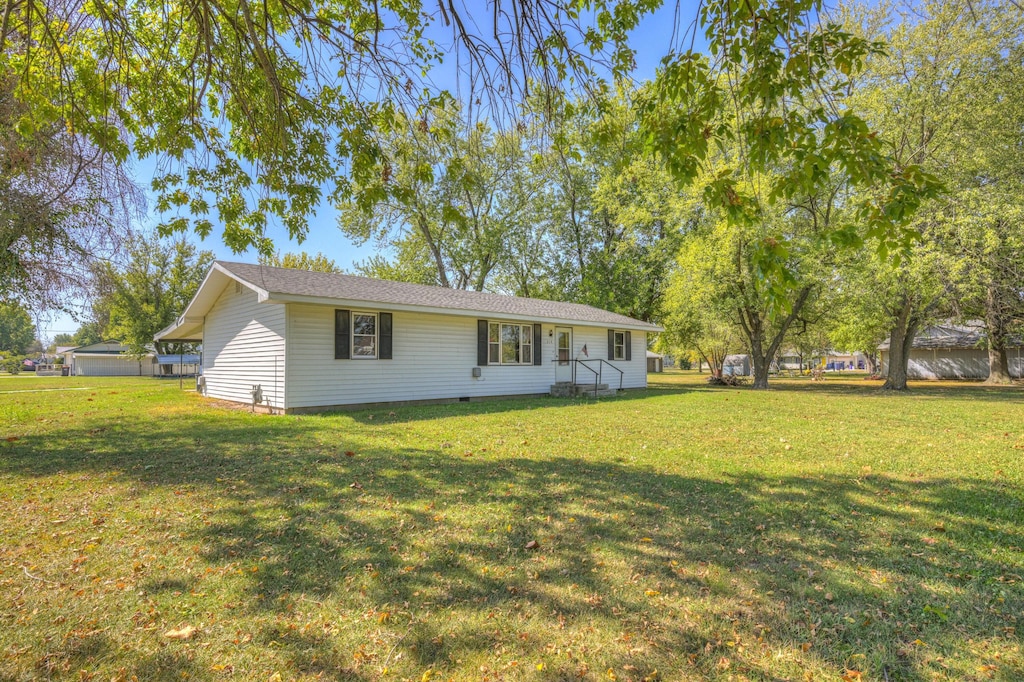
[
  {"x": 766, "y": 574},
  {"x": 404, "y": 413},
  {"x": 918, "y": 390}
]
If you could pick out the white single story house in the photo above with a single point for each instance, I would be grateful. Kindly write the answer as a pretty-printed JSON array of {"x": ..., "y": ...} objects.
[
  {"x": 312, "y": 340},
  {"x": 107, "y": 359},
  {"x": 948, "y": 351}
]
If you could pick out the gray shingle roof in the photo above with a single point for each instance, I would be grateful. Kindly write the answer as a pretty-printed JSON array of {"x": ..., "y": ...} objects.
[{"x": 290, "y": 282}]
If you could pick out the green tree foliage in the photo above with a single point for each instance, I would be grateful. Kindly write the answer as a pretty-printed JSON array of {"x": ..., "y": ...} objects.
[
  {"x": 410, "y": 261},
  {"x": 455, "y": 192},
  {"x": 88, "y": 333},
  {"x": 770, "y": 103},
  {"x": 943, "y": 96},
  {"x": 301, "y": 261},
  {"x": 573, "y": 210},
  {"x": 728, "y": 276},
  {"x": 255, "y": 107},
  {"x": 17, "y": 332},
  {"x": 151, "y": 289},
  {"x": 258, "y": 109},
  {"x": 612, "y": 216}
]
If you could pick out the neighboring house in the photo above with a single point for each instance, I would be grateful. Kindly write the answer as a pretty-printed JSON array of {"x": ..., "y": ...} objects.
[
  {"x": 844, "y": 360},
  {"x": 948, "y": 351},
  {"x": 655, "y": 362},
  {"x": 311, "y": 340},
  {"x": 107, "y": 359}
]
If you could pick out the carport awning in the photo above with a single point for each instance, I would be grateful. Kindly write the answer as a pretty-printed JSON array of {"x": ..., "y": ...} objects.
[{"x": 174, "y": 358}]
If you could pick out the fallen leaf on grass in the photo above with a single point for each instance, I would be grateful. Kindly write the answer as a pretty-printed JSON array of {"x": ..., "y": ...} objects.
[
  {"x": 532, "y": 544},
  {"x": 182, "y": 633},
  {"x": 356, "y": 485},
  {"x": 349, "y": 453},
  {"x": 852, "y": 676}
]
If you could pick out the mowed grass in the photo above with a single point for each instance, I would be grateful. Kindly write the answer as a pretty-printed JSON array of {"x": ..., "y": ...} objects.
[{"x": 812, "y": 532}]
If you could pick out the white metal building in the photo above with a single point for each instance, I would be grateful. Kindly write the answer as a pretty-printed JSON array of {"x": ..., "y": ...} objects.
[
  {"x": 947, "y": 351},
  {"x": 107, "y": 359},
  {"x": 311, "y": 340}
]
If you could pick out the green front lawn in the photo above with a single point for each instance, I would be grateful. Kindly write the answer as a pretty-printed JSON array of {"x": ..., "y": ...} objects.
[{"x": 816, "y": 531}]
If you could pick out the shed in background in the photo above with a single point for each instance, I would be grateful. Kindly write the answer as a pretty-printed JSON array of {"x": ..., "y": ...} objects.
[{"x": 655, "y": 362}]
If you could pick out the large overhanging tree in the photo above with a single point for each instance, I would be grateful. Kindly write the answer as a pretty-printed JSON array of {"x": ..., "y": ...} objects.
[
  {"x": 946, "y": 95},
  {"x": 257, "y": 110}
]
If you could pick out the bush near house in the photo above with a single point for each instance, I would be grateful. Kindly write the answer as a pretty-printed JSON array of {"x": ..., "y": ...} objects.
[{"x": 12, "y": 364}]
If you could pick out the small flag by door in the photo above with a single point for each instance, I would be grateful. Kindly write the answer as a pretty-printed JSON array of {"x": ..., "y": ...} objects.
[{"x": 585, "y": 350}]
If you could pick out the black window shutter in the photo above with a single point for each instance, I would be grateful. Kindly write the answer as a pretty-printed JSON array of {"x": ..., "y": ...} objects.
[
  {"x": 384, "y": 336},
  {"x": 537, "y": 359},
  {"x": 629, "y": 346},
  {"x": 481, "y": 342},
  {"x": 342, "y": 340},
  {"x": 611, "y": 344}
]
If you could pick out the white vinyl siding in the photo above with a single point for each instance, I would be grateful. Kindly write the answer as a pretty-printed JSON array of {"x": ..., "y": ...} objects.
[
  {"x": 634, "y": 372},
  {"x": 434, "y": 356},
  {"x": 244, "y": 345}
]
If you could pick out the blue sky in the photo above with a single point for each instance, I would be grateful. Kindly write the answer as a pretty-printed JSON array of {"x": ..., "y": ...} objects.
[{"x": 652, "y": 40}]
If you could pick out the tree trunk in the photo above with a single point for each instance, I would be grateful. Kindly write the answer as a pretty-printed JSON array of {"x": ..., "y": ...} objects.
[
  {"x": 901, "y": 341},
  {"x": 871, "y": 365},
  {"x": 753, "y": 327},
  {"x": 760, "y": 366},
  {"x": 424, "y": 229},
  {"x": 998, "y": 364}
]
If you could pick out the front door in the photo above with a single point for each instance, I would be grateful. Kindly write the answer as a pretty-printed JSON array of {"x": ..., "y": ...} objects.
[{"x": 563, "y": 354}]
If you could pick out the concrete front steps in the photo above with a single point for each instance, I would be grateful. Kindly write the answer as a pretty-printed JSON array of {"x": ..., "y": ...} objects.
[{"x": 566, "y": 389}]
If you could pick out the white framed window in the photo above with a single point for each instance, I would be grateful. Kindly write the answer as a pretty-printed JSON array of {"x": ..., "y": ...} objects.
[
  {"x": 364, "y": 335},
  {"x": 509, "y": 344},
  {"x": 619, "y": 346}
]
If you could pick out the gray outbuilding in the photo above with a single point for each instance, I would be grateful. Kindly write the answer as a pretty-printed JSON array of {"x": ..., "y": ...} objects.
[{"x": 948, "y": 351}]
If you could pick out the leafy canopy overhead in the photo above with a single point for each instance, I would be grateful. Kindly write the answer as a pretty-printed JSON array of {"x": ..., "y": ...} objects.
[
  {"x": 257, "y": 110},
  {"x": 772, "y": 98}
]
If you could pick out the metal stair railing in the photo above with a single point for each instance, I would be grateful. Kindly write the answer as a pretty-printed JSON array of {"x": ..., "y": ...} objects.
[{"x": 598, "y": 373}]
